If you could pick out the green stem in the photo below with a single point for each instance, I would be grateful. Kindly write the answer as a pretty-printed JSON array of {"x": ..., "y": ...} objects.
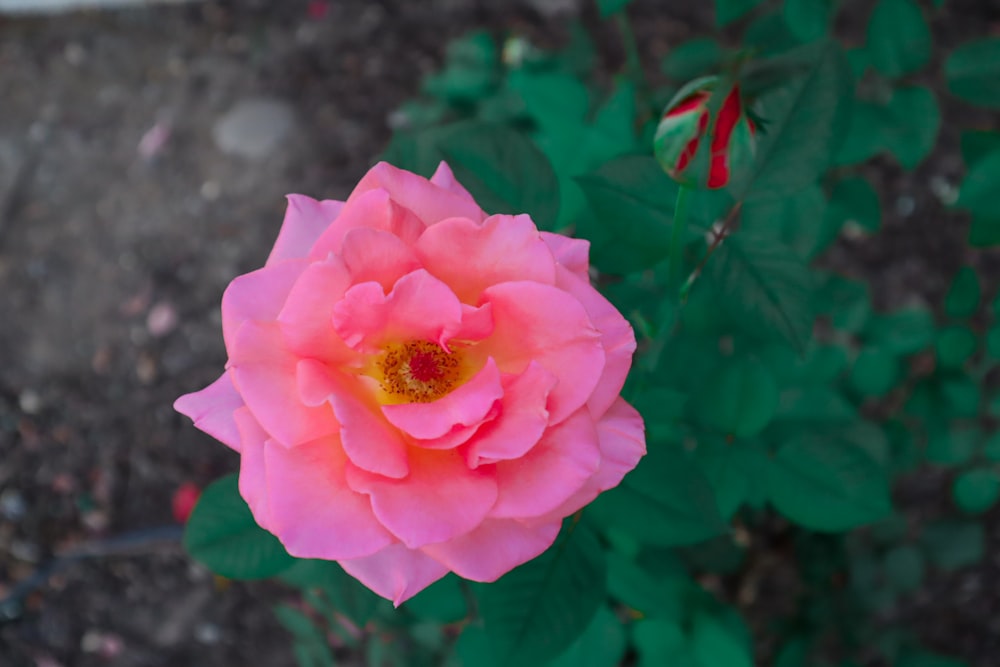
[{"x": 677, "y": 236}]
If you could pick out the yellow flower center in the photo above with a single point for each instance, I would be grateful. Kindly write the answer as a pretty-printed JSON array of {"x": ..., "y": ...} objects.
[{"x": 418, "y": 371}]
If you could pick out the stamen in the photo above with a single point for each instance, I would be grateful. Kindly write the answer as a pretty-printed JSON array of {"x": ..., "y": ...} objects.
[{"x": 418, "y": 371}]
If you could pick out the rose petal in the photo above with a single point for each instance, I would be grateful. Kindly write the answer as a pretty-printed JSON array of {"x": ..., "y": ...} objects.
[
  {"x": 430, "y": 203},
  {"x": 467, "y": 405},
  {"x": 574, "y": 254},
  {"x": 444, "y": 178},
  {"x": 617, "y": 339},
  {"x": 420, "y": 307},
  {"x": 535, "y": 322},
  {"x": 305, "y": 220},
  {"x": 623, "y": 442},
  {"x": 477, "y": 324},
  {"x": 441, "y": 497},
  {"x": 211, "y": 410},
  {"x": 557, "y": 467},
  {"x": 622, "y": 445},
  {"x": 368, "y": 440},
  {"x": 306, "y": 320},
  {"x": 372, "y": 255},
  {"x": 395, "y": 572},
  {"x": 264, "y": 373},
  {"x": 494, "y": 548},
  {"x": 253, "y": 477},
  {"x": 258, "y": 296},
  {"x": 373, "y": 209},
  {"x": 470, "y": 256},
  {"x": 313, "y": 511},
  {"x": 522, "y": 420}
]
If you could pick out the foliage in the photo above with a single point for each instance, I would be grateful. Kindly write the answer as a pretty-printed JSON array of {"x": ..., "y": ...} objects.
[{"x": 774, "y": 392}]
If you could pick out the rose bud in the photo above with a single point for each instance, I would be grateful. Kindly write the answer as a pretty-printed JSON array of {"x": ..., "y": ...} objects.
[
  {"x": 417, "y": 387},
  {"x": 686, "y": 120}
]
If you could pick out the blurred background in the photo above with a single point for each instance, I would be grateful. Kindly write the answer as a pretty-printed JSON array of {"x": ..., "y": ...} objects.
[{"x": 145, "y": 150}]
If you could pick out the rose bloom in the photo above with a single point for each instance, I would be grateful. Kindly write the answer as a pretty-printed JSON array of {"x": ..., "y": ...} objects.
[{"x": 417, "y": 387}]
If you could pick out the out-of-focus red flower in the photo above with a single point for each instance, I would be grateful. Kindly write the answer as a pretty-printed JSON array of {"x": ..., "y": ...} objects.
[{"x": 185, "y": 497}]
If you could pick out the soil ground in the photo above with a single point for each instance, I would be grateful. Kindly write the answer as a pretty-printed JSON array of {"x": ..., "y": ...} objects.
[{"x": 123, "y": 215}]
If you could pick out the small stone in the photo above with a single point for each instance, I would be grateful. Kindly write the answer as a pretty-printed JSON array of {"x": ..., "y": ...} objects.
[
  {"x": 905, "y": 206},
  {"x": 30, "y": 402},
  {"x": 74, "y": 54},
  {"x": 207, "y": 633},
  {"x": 12, "y": 505},
  {"x": 210, "y": 190},
  {"x": 253, "y": 128},
  {"x": 162, "y": 319}
]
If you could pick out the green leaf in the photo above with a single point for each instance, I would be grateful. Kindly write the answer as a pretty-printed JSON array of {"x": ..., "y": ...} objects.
[
  {"x": 472, "y": 68},
  {"x": 991, "y": 448},
  {"x": 826, "y": 483},
  {"x": 740, "y": 398},
  {"x": 608, "y": 7},
  {"x": 855, "y": 202},
  {"x": 973, "y": 72},
  {"x": 952, "y": 544},
  {"x": 911, "y": 123},
  {"x": 727, "y": 11},
  {"x": 692, "y": 59},
  {"x": 904, "y": 568},
  {"x": 993, "y": 341},
  {"x": 808, "y": 19},
  {"x": 977, "y": 144},
  {"x": 662, "y": 595},
  {"x": 797, "y": 220},
  {"x": 602, "y": 644},
  {"x": 904, "y": 331},
  {"x": 222, "y": 534},
  {"x": 981, "y": 186},
  {"x": 442, "y": 601},
  {"x": 417, "y": 150},
  {"x": 504, "y": 172},
  {"x": 922, "y": 658},
  {"x": 804, "y": 122},
  {"x": 533, "y": 613},
  {"x": 863, "y": 139},
  {"x": 962, "y": 299},
  {"x": 769, "y": 34},
  {"x": 977, "y": 490},
  {"x": 662, "y": 642},
  {"x": 730, "y": 468},
  {"x": 665, "y": 501},
  {"x": 906, "y": 125},
  {"x": 875, "y": 372},
  {"x": 348, "y": 595},
  {"x": 632, "y": 200},
  {"x": 311, "y": 647},
  {"x": 715, "y": 643},
  {"x": 984, "y": 231},
  {"x": 955, "y": 345},
  {"x": 899, "y": 39},
  {"x": 764, "y": 287}
]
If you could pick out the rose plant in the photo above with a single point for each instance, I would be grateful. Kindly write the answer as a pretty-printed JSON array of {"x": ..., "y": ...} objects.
[{"x": 417, "y": 387}]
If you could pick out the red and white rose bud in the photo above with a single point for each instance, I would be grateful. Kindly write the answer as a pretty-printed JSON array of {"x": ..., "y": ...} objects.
[{"x": 686, "y": 120}]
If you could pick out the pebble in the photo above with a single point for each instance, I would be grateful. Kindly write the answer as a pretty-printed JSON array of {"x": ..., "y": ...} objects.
[
  {"x": 30, "y": 402},
  {"x": 207, "y": 633},
  {"x": 253, "y": 128},
  {"x": 162, "y": 319},
  {"x": 12, "y": 505}
]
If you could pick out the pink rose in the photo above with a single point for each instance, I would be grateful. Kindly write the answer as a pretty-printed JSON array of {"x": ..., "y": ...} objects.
[{"x": 416, "y": 387}]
